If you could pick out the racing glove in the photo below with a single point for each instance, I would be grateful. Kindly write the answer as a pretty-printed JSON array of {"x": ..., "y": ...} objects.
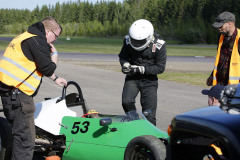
[
  {"x": 126, "y": 68},
  {"x": 137, "y": 69}
]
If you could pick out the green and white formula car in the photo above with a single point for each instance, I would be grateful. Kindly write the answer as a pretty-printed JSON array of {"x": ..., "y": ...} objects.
[{"x": 66, "y": 128}]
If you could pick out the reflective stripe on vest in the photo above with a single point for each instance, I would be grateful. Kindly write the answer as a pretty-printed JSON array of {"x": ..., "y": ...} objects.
[
  {"x": 234, "y": 68},
  {"x": 16, "y": 70},
  {"x": 20, "y": 67}
]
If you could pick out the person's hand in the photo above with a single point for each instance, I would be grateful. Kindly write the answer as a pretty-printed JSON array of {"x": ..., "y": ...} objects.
[
  {"x": 126, "y": 68},
  {"x": 137, "y": 69},
  {"x": 61, "y": 81},
  {"x": 53, "y": 49},
  {"x": 54, "y": 54},
  {"x": 209, "y": 81}
]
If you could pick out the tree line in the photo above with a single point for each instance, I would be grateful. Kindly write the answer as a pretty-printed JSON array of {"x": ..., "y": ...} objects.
[{"x": 186, "y": 20}]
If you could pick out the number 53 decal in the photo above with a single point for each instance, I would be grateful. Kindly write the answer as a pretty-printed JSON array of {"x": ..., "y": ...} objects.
[{"x": 78, "y": 127}]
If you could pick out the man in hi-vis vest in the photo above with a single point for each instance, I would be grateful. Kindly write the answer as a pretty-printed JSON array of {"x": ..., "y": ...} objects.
[
  {"x": 28, "y": 58},
  {"x": 227, "y": 68}
]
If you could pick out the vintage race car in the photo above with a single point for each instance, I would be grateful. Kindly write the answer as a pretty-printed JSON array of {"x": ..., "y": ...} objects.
[
  {"x": 209, "y": 133},
  {"x": 65, "y": 127}
]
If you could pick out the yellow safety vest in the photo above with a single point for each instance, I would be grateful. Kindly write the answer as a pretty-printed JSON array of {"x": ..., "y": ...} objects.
[
  {"x": 234, "y": 69},
  {"x": 16, "y": 70}
]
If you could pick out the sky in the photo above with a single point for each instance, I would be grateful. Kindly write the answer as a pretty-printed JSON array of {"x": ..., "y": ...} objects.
[{"x": 31, "y": 4}]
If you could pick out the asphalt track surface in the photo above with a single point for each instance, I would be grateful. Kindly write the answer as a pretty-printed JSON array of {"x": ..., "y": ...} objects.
[
  {"x": 102, "y": 88},
  {"x": 114, "y": 57}
]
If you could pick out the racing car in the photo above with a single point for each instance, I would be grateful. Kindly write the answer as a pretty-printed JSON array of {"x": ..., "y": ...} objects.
[
  {"x": 67, "y": 128},
  {"x": 209, "y": 133}
]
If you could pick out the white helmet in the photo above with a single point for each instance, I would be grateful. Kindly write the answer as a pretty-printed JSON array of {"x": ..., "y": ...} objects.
[{"x": 141, "y": 34}]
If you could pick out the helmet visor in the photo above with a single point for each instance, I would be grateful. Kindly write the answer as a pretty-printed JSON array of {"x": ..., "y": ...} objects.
[{"x": 137, "y": 43}]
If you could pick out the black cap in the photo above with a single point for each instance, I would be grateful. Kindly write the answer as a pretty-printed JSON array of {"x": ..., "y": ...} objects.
[
  {"x": 224, "y": 18},
  {"x": 215, "y": 91}
]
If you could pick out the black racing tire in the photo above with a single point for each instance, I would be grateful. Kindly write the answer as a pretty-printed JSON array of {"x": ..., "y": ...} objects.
[
  {"x": 145, "y": 148},
  {"x": 5, "y": 139}
]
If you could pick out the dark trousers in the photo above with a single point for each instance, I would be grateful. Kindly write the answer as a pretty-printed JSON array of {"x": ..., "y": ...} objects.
[
  {"x": 148, "y": 98},
  {"x": 21, "y": 116}
]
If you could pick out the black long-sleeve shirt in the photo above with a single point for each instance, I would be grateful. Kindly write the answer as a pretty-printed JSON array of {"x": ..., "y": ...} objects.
[{"x": 37, "y": 49}]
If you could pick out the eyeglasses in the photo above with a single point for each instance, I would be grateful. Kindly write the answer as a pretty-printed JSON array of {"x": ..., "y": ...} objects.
[{"x": 56, "y": 36}]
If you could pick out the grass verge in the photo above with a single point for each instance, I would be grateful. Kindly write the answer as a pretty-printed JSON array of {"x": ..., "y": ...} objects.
[
  {"x": 114, "y": 45},
  {"x": 184, "y": 77}
]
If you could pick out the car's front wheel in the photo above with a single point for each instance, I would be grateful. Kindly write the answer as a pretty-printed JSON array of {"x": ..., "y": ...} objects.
[
  {"x": 145, "y": 148},
  {"x": 5, "y": 139}
]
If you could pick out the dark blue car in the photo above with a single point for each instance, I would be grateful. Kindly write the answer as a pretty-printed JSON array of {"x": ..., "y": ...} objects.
[{"x": 210, "y": 133}]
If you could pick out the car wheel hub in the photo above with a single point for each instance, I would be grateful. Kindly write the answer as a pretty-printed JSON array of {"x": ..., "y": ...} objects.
[{"x": 142, "y": 153}]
